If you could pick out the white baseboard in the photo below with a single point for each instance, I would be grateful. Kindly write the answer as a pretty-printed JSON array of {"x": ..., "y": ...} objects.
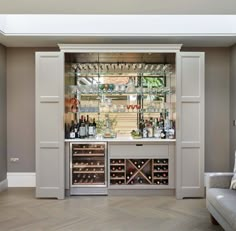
[
  {"x": 28, "y": 179},
  {"x": 3, "y": 185},
  {"x": 21, "y": 179}
]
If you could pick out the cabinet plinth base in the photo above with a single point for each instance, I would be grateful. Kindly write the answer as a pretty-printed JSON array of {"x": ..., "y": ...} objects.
[
  {"x": 141, "y": 192},
  {"x": 88, "y": 191}
]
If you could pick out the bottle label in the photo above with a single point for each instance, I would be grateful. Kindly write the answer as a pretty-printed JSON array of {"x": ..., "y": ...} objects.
[
  {"x": 82, "y": 131},
  {"x": 91, "y": 131},
  {"x": 72, "y": 135}
]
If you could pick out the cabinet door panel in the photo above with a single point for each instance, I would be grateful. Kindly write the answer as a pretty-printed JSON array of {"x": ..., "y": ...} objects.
[
  {"x": 190, "y": 114},
  {"x": 49, "y": 125},
  {"x": 190, "y": 125}
]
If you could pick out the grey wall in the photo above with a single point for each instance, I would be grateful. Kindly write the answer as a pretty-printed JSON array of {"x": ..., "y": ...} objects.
[
  {"x": 3, "y": 117},
  {"x": 232, "y": 105},
  {"x": 217, "y": 105},
  {"x": 21, "y": 108},
  {"x": 20, "y": 102}
]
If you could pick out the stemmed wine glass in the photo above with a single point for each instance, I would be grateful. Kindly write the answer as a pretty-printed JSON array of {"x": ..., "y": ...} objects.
[{"x": 128, "y": 106}]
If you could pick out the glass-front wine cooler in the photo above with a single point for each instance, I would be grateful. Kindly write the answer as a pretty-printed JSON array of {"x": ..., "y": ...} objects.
[{"x": 88, "y": 168}]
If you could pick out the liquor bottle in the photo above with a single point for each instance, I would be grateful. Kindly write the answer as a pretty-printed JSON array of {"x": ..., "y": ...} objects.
[
  {"x": 163, "y": 133},
  {"x": 145, "y": 131},
  {"x": 161, "y": 121}
]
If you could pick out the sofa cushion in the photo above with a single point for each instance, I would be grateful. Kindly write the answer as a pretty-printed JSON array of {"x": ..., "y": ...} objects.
[
  {"x": 233, "y": 181},
  {"x": 224, "y": 201}
]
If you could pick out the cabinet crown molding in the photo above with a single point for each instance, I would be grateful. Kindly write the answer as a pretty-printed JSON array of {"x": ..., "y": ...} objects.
[{"x": 82, "y": 48}]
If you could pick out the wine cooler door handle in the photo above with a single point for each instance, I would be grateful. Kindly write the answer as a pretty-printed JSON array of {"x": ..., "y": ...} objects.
[{"x": 139, "y": 144}]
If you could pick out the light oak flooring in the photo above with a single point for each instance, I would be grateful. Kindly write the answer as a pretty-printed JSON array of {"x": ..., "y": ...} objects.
[{"x": 20, "y": 211}]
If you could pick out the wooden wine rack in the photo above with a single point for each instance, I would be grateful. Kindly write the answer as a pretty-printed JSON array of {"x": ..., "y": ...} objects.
[{"x": 139, "y": 171}]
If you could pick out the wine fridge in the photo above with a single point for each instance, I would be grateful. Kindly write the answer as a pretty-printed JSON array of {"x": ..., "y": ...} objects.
[{"x": 88, "y": 168}]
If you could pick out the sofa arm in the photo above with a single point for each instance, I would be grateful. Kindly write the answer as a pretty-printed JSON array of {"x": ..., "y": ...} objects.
[{"x": 219, "y": 180}]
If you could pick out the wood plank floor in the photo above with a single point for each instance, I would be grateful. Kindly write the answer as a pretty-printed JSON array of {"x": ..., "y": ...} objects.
[{"x": 20, "y": 211}]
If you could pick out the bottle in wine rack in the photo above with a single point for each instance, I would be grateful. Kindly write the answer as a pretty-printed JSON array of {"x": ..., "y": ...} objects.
[
  {"x": 113, "y": 175},
  {"x": 140, "y": 181},
  {"x": 113, "y": 161},
  {"x": 164, "y": 168},
  {"x": 164, "y": 161},
  {"x": 158, "y": 168},
  {"x": 150, "y": 177},
  {"x": 158, "y": 175},
  {"x": 113, "y": 168},
  {"x": 119, "y": 161},
  {"x": 158, "y": 161},
  {"x": 119, "y": 168},
  {"x": 164, "y": 174},
  {"x": 131, "y": 182},
  {"x": 164, "y": 182},
  {"x": 158, "y": 182}
]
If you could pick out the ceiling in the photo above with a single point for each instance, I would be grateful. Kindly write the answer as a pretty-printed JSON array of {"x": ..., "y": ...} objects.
[
  {"x": 121, "y": 7},
  {"x": 118, "y": 7}
]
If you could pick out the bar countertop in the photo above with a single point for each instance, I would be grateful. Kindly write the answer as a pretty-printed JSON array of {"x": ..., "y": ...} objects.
[{"x": 122, "y": 139}]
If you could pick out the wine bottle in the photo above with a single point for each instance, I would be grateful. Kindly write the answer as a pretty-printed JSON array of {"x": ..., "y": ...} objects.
[
  {"x": 90, "y": 129},
  {"x": 164, "y": 168},
  {"x": 149, "y": 177},
  {"x": 94, "y": 127},
  {"x": 82, "y": 129},
  {"x": 72, "y": 131},
  {"x": 158, "y": 182},
  {"x": 164, "y": 161},
  {"x": 164, "y": 174},
  {"x": 158, "y": 168}
]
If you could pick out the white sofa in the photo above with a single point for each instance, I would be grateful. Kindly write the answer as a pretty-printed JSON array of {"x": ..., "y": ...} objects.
[{"x": 221, "y": 201}]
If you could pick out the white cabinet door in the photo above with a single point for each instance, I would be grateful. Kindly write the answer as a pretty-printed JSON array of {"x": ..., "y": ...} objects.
[
  {"x": 49, "y": 87},
  {"x": 190, "y": 125}
]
